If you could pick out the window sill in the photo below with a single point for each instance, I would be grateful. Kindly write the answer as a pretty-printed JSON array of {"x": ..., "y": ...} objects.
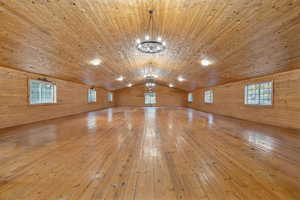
[
  {"x": 258, "y": 105},
  {"x": 43, "y": 104}
]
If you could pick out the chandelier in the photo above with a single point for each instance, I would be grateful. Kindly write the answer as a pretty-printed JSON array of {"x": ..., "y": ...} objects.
[
  {"x": 150, "y": 84},
  {"x": 150, "y": 45}
]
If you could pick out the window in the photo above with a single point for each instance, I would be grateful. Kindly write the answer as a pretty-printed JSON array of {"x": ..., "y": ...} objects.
[
  {"x": 208, "y": 96},
  {"x": 150, "y": 98},
  {"x": 41, "y": 92},
  {"x": 110, "y": 97},
  {"x": 92, "y": 95},
  {"x": 259, "y": 93},
  {"x": 190, "y": 97}
]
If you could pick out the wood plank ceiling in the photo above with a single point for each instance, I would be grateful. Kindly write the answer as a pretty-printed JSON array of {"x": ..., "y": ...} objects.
[{"x": 58, "y": 38}]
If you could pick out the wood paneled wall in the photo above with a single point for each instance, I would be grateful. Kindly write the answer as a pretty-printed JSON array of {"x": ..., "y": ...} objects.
[
  {"x": 229, "y": 101},
  {"x": 72, "y": 99},
  {"x": 14, "y": 107},
  {"x": 165, "y": 96}
]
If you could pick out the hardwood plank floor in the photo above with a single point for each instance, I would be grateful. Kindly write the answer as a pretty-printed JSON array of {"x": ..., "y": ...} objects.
[{"x": 151, "y": 153}]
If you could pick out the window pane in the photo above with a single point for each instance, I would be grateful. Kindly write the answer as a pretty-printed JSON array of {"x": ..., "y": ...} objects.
[
  {"x": 150, "y": 98},
  {"x": 110, "y": 97},
  {"x": 153, "y": 98},
  {"x": 190, "y": 97},
  {"x": 208, "y": 96},
  {"x": 42, "y": 92},
  {"x": 259, "y": 94},
  {"x": 92, "y": 95}
]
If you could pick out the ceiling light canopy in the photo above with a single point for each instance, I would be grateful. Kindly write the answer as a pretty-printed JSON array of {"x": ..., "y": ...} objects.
[
  {"x": 96, "y": 61},
  {"x": 120, "y": 78},
  {"x": 151, "y": 45},
  {"x": 205, "y": 62}
]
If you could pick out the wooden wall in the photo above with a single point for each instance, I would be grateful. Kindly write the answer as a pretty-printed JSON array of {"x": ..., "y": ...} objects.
[
  {"x": 229, "y": 101},
  {"x": 165, "y": 96},
  {"x": 72, "y": 99},
  {"x": 14, "y": 107}
]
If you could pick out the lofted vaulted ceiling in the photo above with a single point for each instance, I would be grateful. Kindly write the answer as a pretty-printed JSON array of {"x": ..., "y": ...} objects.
[{"x": 58, "y": 38}]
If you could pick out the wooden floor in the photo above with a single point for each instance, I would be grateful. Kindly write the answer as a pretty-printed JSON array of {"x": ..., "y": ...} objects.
[{"x": 151, "y": 153}]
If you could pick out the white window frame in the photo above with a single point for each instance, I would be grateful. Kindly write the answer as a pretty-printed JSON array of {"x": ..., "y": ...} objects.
[
  {"x": 208, "y": 96},
  {"x": 42, "y": 83},
  {"x": 151, "y": 96},
  {"x": 110, "y": 97},
  {"x": 258, "y": 94},
  {"x": 90, "y": 93},
  {"x": 190, "y": 97}
]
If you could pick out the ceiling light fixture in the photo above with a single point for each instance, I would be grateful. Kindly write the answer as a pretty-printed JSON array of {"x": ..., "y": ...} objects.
[
  {"x": 96, "y": 61},
  {"x": 171, "y": 85},
  {"x": 149, "y": 72},
  {"x": 120, "y": 78},
  {"x": 180, "y": 78},
  {"x": 151, "y": 75},
  {"x": 129, "y": 85},
  {"x": 150, "y": 45},
  {"x": 150, "y": 84},
  {"x": 205, "y": 62}
]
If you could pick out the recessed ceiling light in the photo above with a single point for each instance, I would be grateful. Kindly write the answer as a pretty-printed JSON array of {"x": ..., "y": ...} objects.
[
  {"x": 180, "y": 79},
  {"x": 96, "y": 61},
  {"x": 120, "y": 78},
  {"x": 205, "y": 62},
  {"x": 129, "y": 85},
  {"x": 171, "y": 85}
]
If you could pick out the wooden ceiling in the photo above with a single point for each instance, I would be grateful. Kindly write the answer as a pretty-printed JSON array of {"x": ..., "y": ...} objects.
[{"x": 58, "y": 38}]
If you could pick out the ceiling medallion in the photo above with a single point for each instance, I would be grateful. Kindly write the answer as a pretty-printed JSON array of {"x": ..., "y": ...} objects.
[{"x": 149, "y": 45}]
